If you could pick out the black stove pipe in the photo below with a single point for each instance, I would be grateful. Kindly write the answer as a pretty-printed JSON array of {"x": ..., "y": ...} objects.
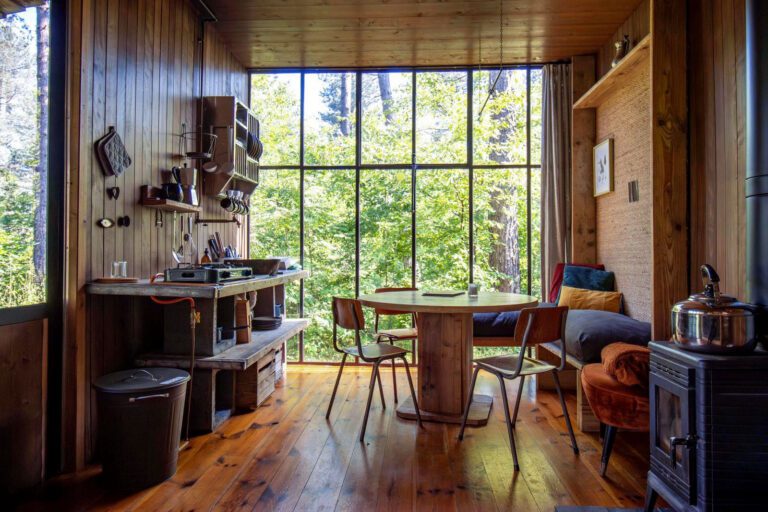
[{"x": 757, "y": 152}]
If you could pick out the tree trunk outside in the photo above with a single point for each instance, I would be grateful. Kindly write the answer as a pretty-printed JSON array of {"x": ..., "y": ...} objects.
[
  {"x": 385, "y": 90},
  {"x": 39, "y": 253},
  {"x": 505, "y": 256},
  {"x": 344, "y": 125}
]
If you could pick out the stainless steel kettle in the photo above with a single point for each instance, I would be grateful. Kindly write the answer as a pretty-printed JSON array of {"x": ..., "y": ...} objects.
[{"x": 713, "y": 322}]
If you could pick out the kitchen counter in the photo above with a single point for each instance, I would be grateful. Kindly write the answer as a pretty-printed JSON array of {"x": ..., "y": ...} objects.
[{"x": 195, "y": 290}]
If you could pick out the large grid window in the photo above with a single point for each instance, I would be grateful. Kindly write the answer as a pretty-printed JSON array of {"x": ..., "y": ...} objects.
[{"x": 425, "y": 178}]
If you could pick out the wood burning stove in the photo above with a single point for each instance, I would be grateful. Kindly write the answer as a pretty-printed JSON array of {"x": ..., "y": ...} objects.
[{"x": 709, "y": 430}]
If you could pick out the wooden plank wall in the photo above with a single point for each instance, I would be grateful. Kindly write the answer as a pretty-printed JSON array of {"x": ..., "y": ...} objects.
[
  {"x": 717, "y": 88},
  {"x": 624, "y": 228},
  {"x": 144, "y": 82},
  {"x": 669, "y": 161},
  {"x": 136, "y": 67},
  {"x": 222, "y": 76},
  {"x": 637, "y": 26},
  {"x": 583, "y": 239},
  {"x": 23, "y": 391},
  {"x": 646, "y": 243}
]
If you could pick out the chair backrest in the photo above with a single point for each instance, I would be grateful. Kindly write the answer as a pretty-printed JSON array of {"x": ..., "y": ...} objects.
[
  {"x": 347, "y": 314},
  {"x": 540, "y": 325},
  {"x": 382, "y": 311}
]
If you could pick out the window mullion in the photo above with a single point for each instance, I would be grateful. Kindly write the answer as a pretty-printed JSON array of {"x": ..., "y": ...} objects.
[
  {"x": 413, "y": 179},
  {"x": 528, "y": 171},
  {"x": 470, "y": 163},
  {"x": 301, "y": 213},
  {"x": 358, "y": 161}
]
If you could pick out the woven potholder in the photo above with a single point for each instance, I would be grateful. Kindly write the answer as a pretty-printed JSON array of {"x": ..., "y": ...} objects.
[{"x": 115, "y": 158}]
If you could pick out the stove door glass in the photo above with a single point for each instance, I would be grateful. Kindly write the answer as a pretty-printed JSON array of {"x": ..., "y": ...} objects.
[
  {"x": 672, "y": 418},
  {"x": 669, "y": 422}
]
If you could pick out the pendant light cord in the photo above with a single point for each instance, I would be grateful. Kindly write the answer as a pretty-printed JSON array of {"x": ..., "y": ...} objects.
[{"x": 501, "y": 57}]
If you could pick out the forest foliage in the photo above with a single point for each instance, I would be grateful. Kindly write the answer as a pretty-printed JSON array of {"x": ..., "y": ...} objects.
[
  {"x": 442, "y": 200},
  {"x": 22, "y": 281}
]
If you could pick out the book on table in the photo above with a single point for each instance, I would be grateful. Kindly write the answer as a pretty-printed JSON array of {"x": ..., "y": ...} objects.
[{"x": 442, "y": 293}]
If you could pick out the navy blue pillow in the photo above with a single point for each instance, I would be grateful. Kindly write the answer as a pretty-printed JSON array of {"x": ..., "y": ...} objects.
[{"x": 589, "y": 279}]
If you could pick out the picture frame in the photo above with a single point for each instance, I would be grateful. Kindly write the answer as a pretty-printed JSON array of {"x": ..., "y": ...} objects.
[{"x": 602, "y": 168}]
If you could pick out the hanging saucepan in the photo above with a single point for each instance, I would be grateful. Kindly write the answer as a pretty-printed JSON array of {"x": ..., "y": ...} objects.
[{"x": 228, "y": 203}]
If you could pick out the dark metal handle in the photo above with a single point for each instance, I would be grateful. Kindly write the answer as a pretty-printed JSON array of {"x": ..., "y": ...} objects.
[
  {"x": 147, "y": 397},
  {"x": 688, "y": 441},
  {"x": 709, "y": 274},
  {"x": 711, "y": 281}
]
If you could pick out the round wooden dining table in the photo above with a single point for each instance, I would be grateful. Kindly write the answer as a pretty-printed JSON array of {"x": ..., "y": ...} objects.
[{"x": 445, "y": 349}]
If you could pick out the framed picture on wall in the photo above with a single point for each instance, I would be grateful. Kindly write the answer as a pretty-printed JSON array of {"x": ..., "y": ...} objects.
[{"x": 602, "y": 165}]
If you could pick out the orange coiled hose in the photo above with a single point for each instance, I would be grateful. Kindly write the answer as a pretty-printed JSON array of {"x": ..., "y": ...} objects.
[{"x": 193, "y": 321}]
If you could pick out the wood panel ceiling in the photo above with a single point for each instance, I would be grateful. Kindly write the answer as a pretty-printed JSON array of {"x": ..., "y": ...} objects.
[{"x": 376, "y": 33}]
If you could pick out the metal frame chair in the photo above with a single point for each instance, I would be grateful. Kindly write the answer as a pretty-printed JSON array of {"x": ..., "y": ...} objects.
[
  {"x": 535, "y": 326},
  {"x": 348, "y": 314},
  {"x": 392, "y": 335}
]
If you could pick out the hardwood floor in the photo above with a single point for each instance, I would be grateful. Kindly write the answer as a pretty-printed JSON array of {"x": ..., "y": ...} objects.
[{"x": 286, "y": 456}]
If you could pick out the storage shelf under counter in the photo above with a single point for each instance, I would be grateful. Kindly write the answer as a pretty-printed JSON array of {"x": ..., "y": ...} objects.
[{"x": 229, "y": 377}]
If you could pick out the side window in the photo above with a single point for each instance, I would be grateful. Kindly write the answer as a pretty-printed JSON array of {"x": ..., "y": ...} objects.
[{"x": 24, "y": 77}]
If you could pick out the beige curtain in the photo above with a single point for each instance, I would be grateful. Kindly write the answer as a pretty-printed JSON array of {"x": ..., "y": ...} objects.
[{"x": 555, "y": 170}]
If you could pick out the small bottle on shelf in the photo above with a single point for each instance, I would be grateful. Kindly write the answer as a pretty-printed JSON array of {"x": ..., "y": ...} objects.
[{"x": 206, "y": 258}]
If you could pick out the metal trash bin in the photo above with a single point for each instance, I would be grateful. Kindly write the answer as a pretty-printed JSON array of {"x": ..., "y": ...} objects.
[{"x": 140, "y": 412}]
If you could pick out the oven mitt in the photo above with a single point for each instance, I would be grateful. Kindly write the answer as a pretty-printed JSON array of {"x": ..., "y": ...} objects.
[{"x": 113, "y": 156}]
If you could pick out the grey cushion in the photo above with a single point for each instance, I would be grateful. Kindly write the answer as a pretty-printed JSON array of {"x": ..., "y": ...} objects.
[{"x": 588, "y": 331}]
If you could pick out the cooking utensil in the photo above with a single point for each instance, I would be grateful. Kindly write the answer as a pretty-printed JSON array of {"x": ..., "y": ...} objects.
[
  {"x": 191, "y": 240},
  {"x": 190, "y": 195},
  {"x": 214, "y": 249},
  {"x": 713, "y": 322},
  {"x": 187, "y": 176},
  {"x": 173, "y": 191},
  {"x": 219, "y": 243},
  {"x": 176, "y": 173},
  {"x": 180, "y": 250},
  {"x": 176, "y": 256}
]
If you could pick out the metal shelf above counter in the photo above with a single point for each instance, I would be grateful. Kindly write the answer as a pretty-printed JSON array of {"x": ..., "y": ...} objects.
[{"x": 195, "y": 290}]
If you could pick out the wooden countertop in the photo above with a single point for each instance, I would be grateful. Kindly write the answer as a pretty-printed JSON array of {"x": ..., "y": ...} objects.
[{"x": 195, "y": 290}]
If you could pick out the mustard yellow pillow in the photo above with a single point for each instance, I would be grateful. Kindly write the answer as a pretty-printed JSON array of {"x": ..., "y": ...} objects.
[{"x": 577, "y": 298}]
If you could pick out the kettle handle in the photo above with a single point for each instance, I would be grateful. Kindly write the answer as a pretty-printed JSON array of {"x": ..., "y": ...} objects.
[{"x": 711, "y": 281}]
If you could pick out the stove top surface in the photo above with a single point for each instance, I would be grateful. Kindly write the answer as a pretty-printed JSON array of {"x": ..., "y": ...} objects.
[{"x": 207, "y": 273}]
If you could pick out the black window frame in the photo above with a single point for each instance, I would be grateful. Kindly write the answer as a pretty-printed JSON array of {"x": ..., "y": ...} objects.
[{"x": 414, "y": 166}]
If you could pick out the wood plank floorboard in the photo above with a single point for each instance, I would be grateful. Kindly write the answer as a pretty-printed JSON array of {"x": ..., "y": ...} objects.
[{"x": 287, "y": 456}]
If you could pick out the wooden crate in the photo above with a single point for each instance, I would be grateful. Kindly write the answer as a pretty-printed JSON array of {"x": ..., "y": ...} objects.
[{"x": 255, "y": 384}]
